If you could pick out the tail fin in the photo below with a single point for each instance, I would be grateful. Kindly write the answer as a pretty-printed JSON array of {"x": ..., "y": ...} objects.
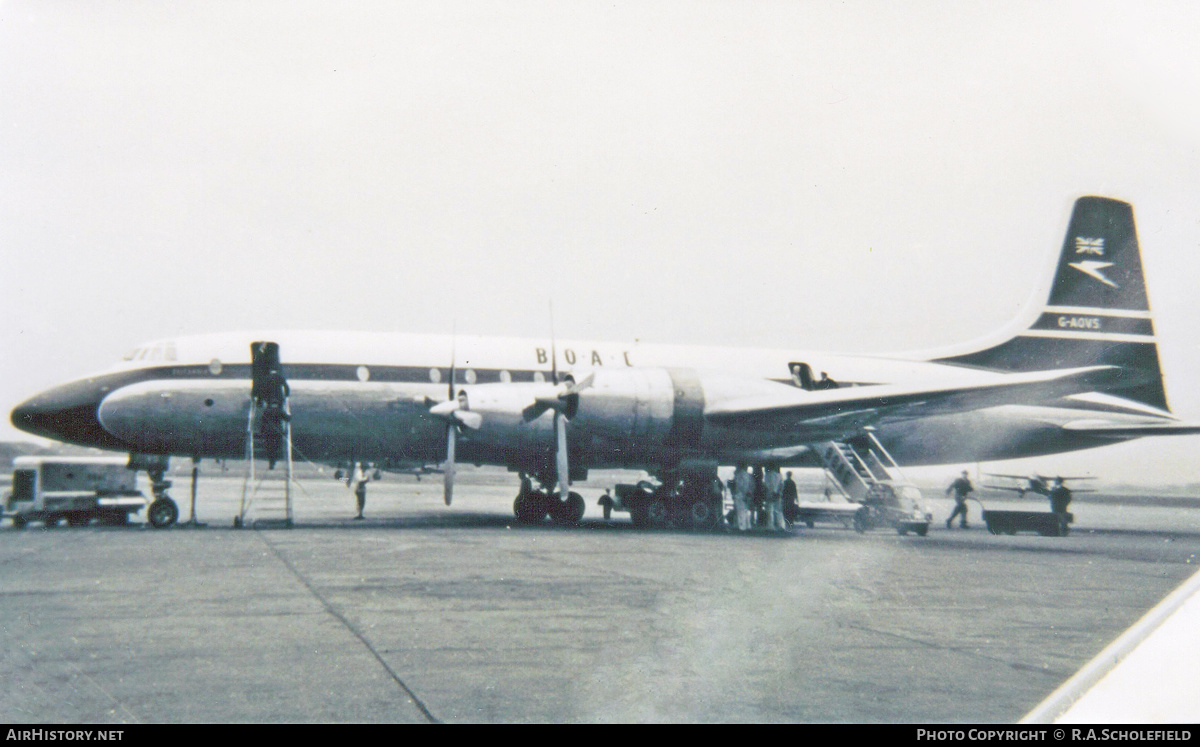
[{"x": 1098, "y": 311}]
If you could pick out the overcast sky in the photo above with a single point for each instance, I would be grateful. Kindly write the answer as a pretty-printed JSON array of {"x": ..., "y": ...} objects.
[{"x": 849, "y": 176}]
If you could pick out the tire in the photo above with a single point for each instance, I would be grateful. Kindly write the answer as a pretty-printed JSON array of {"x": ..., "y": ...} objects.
[
  {"x": 568, "y": 512},
  {"x": 162, "y": 513},
  {"x": 658, "y": 513},
  {"x": 639, "y": 515},
  {"x": 922, "y": 530},
  {"x": 704, "y": 515},
  {"x": 530, "y": 509},
  {"x": 860, "y": 521},
  {"x": 51, "y": 520},
  {"x": 78, "y": 519},
  {"x": 902, "y": 530},
  {"x": 19, "y": 521}
]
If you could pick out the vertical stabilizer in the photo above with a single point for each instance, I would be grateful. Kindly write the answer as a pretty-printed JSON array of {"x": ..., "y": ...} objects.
[{"x": 1098, "y": 311}]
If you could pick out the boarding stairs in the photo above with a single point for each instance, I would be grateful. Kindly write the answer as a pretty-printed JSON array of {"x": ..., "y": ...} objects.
[
  {"x": 266, "y": 494},
  {"x": 857, "y": 464}
]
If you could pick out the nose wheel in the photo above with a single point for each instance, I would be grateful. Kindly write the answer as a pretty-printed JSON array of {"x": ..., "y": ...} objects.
[{"x": 163, "y": 511}]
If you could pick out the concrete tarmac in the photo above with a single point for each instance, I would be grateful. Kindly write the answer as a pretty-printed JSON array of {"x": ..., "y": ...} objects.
[{"x": 428, "y": 613}]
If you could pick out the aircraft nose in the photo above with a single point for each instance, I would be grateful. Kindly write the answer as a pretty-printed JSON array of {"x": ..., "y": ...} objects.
[{"x": 66, "y": 413}]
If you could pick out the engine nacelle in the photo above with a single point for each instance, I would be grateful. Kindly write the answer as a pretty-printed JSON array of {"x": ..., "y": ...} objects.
[{"x": 624, "y": 411}]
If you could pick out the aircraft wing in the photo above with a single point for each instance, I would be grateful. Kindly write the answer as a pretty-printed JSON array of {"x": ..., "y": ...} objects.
[
  {"x": 1004, "y": 487},
  {"x": 1043, "y": 478},
  {"x": 1108, "y": 429},
  {"x": 852, "y": 407},
  {"x": 1148, "y": 675}
]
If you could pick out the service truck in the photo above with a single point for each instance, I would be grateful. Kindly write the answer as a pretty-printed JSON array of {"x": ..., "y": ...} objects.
[{"x": 77, "y": 489}]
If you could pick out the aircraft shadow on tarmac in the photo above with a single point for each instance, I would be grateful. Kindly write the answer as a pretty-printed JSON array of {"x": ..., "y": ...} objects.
[{"x": 457, "y": 520}]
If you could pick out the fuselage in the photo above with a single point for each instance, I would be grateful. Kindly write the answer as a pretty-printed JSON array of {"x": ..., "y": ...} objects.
[{"x": 366, "y": 397}]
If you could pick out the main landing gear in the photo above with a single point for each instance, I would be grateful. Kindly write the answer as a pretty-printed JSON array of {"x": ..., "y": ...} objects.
[{"x": 533, "y": 506}]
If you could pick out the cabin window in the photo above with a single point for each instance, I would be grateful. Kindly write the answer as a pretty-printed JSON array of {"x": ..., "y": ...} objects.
[
  {"x": 469, "y": 376},
  {"x": 363, "y": 373},
  {"x": 214, "y": 367},
  {"x": 506, "y": 377},
  {"x": 539, "y": 377},
  {"x": 435, "y": 375}
]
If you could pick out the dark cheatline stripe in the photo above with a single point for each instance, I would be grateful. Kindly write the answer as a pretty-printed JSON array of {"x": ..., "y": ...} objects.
[{"x": 329, "y": 372}]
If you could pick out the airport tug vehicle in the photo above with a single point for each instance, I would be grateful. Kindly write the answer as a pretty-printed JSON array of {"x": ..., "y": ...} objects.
[{"x": 75, "y": 489}]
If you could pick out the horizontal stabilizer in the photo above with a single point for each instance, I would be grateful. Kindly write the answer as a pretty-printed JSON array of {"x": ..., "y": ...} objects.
[
  {"x": 1108, "y": 429},
  {"x": 795, "y": 407}
]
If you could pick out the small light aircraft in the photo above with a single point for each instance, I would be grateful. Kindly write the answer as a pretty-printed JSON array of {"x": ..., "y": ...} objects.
[{"x": 1036, "y": 483}]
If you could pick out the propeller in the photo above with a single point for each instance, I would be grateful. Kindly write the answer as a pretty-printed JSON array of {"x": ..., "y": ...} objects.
[
  {"x": 457, "y": 414},
  {"x": 564, "y": 401}
]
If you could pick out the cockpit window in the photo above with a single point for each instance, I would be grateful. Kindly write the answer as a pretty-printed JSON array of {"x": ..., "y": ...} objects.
[{"x": 162, "y": 351}]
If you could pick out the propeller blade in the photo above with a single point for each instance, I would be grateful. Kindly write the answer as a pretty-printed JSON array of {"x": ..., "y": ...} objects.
[
  {"x": 451, "y": 438},
  {"x": 457, "y": 411},
  {"x": 534, "y": 411},
  {"x": 577, "y": 388},
  {"x": 560, "y": 455},
  {"x": 453, "y": 352},
  {"x": 472, "y": 420},
  {"x": 553, "y": 350}
]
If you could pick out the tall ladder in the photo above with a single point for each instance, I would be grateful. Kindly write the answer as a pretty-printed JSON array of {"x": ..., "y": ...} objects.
[
  {"x": 858, "y": 464},
  {"x": 267, "y": 502}
]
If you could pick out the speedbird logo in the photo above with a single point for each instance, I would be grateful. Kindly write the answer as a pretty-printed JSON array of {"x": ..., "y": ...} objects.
[{"x": 1094, "y": 269}]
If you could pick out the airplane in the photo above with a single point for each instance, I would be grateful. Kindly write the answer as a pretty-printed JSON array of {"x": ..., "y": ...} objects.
[
  {"x": 1083, "y": 372},
  {"x": 1037, "y": 483}
]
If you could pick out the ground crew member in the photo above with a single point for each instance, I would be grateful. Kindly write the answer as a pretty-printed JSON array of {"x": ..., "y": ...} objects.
[
  {"x": 773, "y": 486},
  {"x": 743, "y": 484},
  {"x": 758, "y": 499},
  {"x": 1060, "y": 497},
  {"x": 358, "y": 480},
  {"x": 961, "y": 487},
  {"x": 825, "y": 382},
  {"x": 791, "y": 498},
  {"x": 606, "y": 503},
  {"x": 273, "y": 418}
]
